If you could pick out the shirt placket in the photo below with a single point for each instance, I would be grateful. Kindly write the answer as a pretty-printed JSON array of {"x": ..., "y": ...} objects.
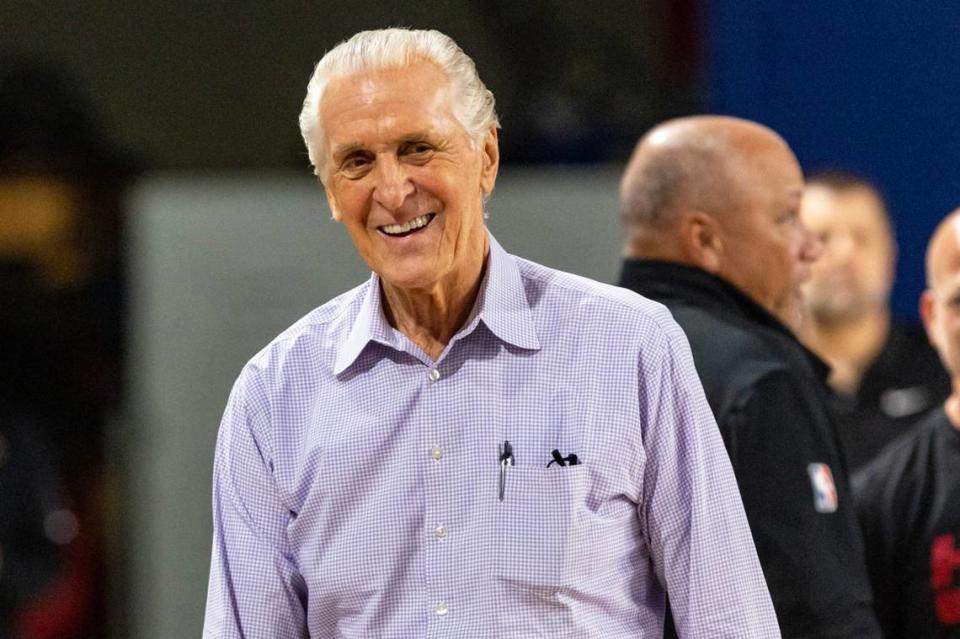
[{"x": 442, "y": 453}]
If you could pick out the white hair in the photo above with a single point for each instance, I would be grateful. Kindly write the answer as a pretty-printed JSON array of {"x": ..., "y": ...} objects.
[{"x": 391, "y": 48}]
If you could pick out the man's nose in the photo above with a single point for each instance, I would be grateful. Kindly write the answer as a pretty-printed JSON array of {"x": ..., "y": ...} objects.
[
  {"x": 392, "y": 185},
  {"x": 811, "y": 246}
]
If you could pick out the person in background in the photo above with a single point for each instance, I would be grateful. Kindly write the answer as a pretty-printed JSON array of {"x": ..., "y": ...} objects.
[
  {"x": 884, "y": 373},
  {"x": 909, "y": 496},
  {"x": 62, "y": 199},
  {"x": 32, "y": 493},
  {"x": 468, "y": 444},
  {"x": 711, "y": 207}
]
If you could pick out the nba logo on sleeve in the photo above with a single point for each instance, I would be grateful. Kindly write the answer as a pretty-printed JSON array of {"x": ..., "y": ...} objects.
[{"x": 824, "y": 490}]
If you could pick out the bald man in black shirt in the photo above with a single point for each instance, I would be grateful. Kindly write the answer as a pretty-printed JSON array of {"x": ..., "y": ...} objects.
[
  {"x": 711, "y": 212},
  {"x": 909, "y": 497}
]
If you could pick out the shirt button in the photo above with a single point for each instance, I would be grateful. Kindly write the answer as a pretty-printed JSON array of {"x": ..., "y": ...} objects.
[
  {"x": 441, "y": 609},
  {"x": 434, "y": 375},
  {"x": 436, "y": 453},
  {"x": 440, "y": 531}
]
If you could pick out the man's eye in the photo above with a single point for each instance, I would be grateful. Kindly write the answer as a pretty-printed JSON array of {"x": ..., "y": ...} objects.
[
  {"x": 355, "y": 163},
  {"x": 789, "y": 217},
  {"x": 418, "y": 148}
]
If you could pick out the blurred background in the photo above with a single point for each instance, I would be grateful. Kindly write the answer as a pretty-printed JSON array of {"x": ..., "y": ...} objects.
[{"x": 159, "y": 223}]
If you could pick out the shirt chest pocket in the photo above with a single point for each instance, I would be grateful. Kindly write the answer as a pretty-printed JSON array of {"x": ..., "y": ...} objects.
[
  {"x": 535, "y": 528},
  {"x": 535, "y": 525}
]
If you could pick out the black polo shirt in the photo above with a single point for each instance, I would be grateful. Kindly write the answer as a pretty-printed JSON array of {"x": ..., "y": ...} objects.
[
  {"x": 902, "y": 384},
  {"x": 908, "y": 500}
]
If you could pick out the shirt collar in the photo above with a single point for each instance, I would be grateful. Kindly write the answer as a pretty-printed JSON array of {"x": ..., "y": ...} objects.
[
  {"x": 501, "y": 305},
  {"x": 370, "y": 325}
]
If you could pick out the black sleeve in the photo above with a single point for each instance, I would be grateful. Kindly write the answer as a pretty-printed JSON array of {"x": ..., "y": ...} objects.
[
  {"x": 874, "y": 489},
  {"x": 812, "y": 560}
]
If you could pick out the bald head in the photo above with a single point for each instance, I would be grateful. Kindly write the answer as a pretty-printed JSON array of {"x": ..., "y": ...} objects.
[
  {"x": 723, "y": 195},
  {"x": 940, "y": 302},
  {"x": 707, "y": 163},
  {"x": 943, "y": 251}
]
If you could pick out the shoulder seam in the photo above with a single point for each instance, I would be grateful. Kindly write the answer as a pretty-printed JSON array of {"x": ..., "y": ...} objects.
[{"x": 657, "y": 317}]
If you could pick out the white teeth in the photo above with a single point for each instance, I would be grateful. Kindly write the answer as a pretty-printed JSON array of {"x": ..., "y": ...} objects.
[{"x": 415, "y": 223}]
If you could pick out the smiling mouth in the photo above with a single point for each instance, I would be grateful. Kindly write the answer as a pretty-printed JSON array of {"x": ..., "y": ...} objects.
[{"x": 408, "y": 228}]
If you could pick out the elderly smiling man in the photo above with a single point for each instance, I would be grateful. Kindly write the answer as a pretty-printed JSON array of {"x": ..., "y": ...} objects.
[{"x": 468, "y": 444}]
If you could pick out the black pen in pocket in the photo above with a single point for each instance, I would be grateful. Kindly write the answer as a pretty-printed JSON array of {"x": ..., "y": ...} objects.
[{"x": 506, "y": 460}]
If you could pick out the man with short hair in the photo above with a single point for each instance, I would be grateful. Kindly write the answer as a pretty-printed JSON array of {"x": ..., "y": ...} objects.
[
  {"x": 469, "y": 444},
  {"x": 909, "y": 496},
  {"x": 711, "y": 209},
  {"x": 884, "y": 373}
]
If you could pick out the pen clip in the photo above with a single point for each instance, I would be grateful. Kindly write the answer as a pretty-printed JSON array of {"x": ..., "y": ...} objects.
[
  {"x": 506, "y": 453},
  {"x": 506, "y": 460}
]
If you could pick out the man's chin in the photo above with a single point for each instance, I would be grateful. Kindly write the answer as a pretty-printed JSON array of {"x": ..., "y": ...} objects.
[
  {"x": 791, "y": 312},
  {"x": 837, "y": 311},
  {"x": 793, "y": 318}
]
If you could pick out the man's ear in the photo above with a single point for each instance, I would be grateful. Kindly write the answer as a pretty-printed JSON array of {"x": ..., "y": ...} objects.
[
  {"x": 701, "y": 241},
  {"x": 490, "y": 157},
  {"x": 928, "y": 313},
  {"x": 332, "y": 201}
]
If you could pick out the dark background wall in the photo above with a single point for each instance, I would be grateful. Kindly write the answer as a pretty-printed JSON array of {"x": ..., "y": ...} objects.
[
  {"x": 219, "y": 85},
  {"x": 873, "y": 87}
]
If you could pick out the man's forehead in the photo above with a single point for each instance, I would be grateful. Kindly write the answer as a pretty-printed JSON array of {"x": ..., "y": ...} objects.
[
  {"x": 951, "y": 248},
  {"x": 771, "y": 162},
  {"x": 782, "y": 185},
  {"x": 367, "y": 88},
  {"x": 943, "y": 258},
  {"x": 372, "y": 85},
  {"x": 947, "y": 279},
  {"x": 859, "y": 208},
  {"x": 415, "y": 95}
]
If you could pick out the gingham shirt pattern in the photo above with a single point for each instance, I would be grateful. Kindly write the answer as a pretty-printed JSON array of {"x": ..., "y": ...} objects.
[{"x": 356, "y": 482}]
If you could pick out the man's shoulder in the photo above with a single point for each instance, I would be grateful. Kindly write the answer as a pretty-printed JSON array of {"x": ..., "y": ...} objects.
[
  {"x": 730, "y": 343},
  {"x": 735, "y": 357},
  {"x": 919, "y": 437},
  {"x": 314, "y": 334},
  {"x": 575, "y": 298},
  {"x": 903, "y": 460}
]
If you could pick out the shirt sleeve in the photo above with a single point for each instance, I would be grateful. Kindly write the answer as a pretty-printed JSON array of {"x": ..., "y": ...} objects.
[
  {"x": 874, "y": 488},
  {"x": 255, "y": 589},
  {"x": 692, "y": 513},
  {"x": 813, "y": 561}
]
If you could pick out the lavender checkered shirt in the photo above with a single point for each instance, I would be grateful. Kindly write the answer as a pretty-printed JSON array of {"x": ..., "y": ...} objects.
[{"x": 356, "y": 482}]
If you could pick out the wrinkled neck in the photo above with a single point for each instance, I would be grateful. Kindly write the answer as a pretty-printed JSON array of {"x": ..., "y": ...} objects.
[{"x": 430, "y": 317}]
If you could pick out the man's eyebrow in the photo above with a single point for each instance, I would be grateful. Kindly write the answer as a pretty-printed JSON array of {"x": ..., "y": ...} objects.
[
  {"x": 416, "y": 136},
  {"x": 343, "y": 150}
]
